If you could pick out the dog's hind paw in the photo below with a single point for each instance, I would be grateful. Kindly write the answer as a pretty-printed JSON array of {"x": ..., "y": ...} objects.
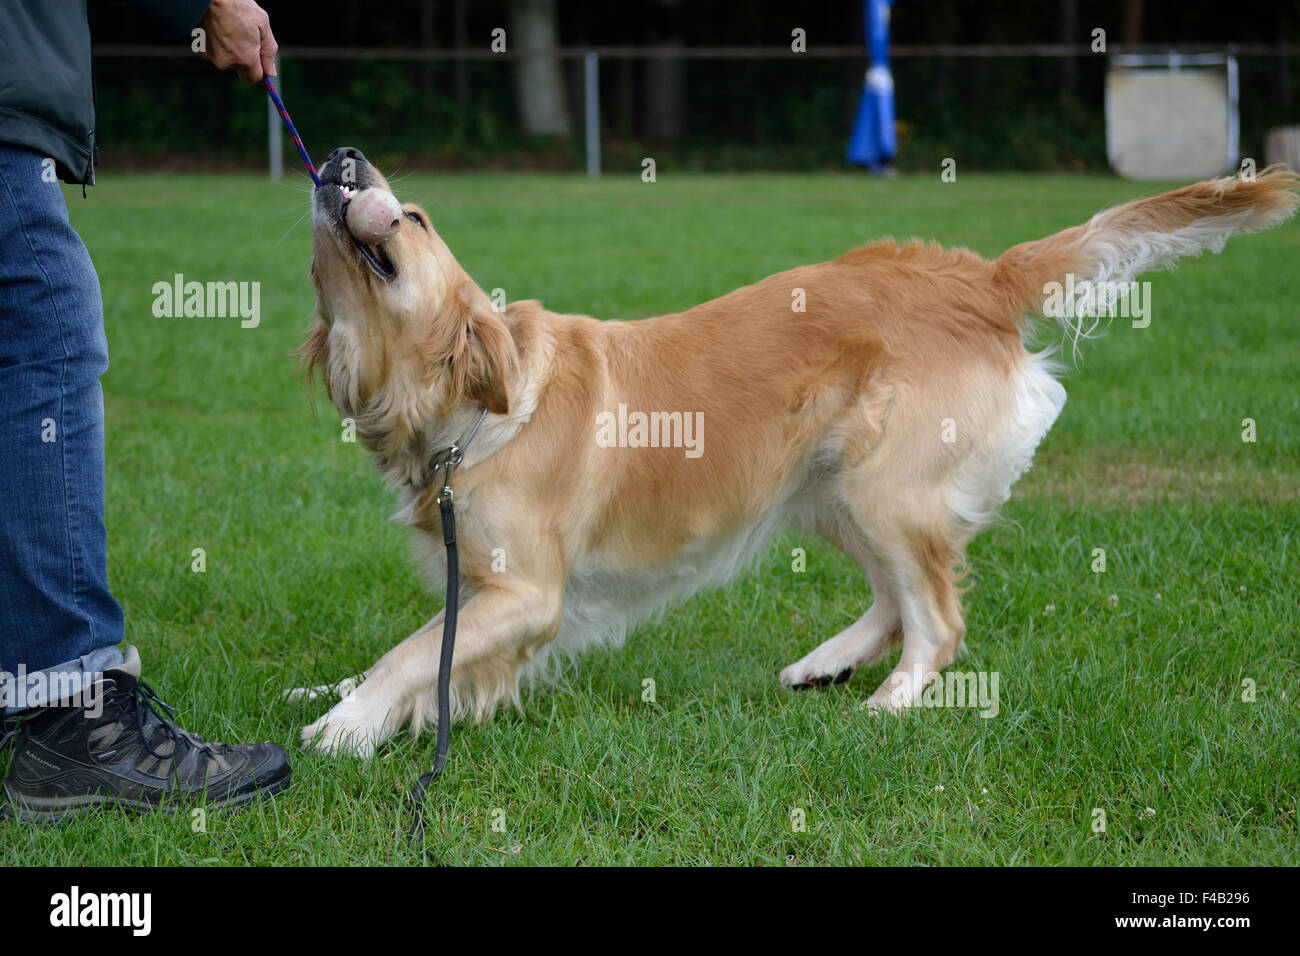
[
  {"x": 825, "y": 666},
  {"x": 820, "y": 682}
]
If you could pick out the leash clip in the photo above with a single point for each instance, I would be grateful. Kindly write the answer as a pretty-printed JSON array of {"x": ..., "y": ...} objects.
[
  {"x": 455, "y": 454},
  {"x": 454, "y": 458}
]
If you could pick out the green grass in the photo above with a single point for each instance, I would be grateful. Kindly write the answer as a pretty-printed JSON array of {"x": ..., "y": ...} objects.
[{"x": 213, "y": 444}]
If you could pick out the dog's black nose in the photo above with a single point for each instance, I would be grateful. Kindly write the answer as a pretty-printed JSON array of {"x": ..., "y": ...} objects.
[{"x": 346, "y": 152}]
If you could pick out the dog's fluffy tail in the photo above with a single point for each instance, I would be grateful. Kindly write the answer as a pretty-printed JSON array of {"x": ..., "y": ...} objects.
[{"x": 1117, "y": 245}]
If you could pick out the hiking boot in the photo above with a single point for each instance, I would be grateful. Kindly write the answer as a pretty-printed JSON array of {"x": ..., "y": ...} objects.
[{"x": 67, "y": 761}]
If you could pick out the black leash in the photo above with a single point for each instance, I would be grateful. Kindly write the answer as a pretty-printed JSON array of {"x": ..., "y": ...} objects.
[{"x": 444, "y": 460}]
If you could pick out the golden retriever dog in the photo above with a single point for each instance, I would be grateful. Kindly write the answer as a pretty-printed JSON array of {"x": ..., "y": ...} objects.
[{"x": 884, "y": 400}]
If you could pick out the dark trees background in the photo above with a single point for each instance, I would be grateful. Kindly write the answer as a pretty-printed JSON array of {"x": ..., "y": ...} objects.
[{"x": 791, "y": 113}]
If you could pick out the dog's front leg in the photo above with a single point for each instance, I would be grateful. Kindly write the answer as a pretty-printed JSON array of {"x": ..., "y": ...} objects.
[{"x": 496, "y": 625}]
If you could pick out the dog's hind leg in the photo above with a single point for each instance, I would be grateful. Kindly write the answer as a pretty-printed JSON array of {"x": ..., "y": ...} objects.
[
  {"x": 920, "y": 573},
  {"x": 866, "y": 640}
]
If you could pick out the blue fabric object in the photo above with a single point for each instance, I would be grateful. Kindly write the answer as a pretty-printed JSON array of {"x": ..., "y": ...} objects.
[{"x": 872, "y": 143}]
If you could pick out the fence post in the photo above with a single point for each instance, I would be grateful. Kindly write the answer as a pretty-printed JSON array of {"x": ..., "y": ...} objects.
[
  {"x": 591, "y": 72},
  {"x": 275, "y": 129}
]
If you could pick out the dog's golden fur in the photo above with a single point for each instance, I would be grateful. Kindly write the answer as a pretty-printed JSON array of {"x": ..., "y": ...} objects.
[{"x": 891, "y": 417}]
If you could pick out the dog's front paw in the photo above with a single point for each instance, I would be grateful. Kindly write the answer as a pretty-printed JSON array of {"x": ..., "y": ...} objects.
[{"x": 347, "y": 730}]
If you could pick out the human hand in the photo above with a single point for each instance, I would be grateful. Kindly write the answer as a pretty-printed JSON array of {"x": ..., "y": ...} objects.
[{"x": 239, "y": 35}]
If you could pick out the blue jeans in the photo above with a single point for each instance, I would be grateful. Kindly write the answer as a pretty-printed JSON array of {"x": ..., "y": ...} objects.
[{"x": 56, "y": 611}]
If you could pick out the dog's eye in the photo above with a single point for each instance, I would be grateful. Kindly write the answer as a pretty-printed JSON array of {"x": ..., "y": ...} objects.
[{"x": 415, "y": 219}]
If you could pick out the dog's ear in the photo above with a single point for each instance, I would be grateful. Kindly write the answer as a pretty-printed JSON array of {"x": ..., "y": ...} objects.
[
  {"x": 490, "y": 356},
  {"x": 314, "y": 355},
  {"x": 471, "y": 339}
]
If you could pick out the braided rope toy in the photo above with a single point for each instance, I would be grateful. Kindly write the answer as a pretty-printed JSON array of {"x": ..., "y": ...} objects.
[{"x": 297, "y": 140}]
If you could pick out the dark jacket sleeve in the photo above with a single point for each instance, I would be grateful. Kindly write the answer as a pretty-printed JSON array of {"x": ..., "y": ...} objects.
[
  {"x": 176, "y": 17},
  {"x": 46, "y": 101}
]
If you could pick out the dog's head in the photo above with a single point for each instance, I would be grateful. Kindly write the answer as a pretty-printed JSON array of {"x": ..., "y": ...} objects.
[{"x": 399, "y": 316}]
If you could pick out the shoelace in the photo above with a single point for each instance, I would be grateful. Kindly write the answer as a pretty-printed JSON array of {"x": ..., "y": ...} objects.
[{"x": 143, "y": 699}]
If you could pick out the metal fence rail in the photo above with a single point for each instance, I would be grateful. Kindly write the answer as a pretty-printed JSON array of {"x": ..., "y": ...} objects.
[{"x": 901, "y": 52}]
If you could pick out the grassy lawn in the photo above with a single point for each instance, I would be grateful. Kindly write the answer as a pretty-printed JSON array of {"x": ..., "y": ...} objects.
[{"x": 1126, "y": 697}]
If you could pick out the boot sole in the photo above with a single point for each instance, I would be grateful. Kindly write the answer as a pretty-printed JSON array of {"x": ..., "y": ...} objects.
[{"x": 61, "y": 809}]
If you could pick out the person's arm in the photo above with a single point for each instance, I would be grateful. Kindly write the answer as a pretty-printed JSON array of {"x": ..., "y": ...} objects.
[{"x": 238, "y": 32}]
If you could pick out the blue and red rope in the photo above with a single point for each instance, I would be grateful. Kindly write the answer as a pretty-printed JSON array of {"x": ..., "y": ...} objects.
[{"x": 297, "y": 140}]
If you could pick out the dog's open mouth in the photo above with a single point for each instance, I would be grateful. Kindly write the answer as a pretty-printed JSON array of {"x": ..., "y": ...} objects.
[{"x": 373, "y": 256}]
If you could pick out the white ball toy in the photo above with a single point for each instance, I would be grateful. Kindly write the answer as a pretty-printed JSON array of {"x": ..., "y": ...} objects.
[{"x": 374, "y": 216}]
